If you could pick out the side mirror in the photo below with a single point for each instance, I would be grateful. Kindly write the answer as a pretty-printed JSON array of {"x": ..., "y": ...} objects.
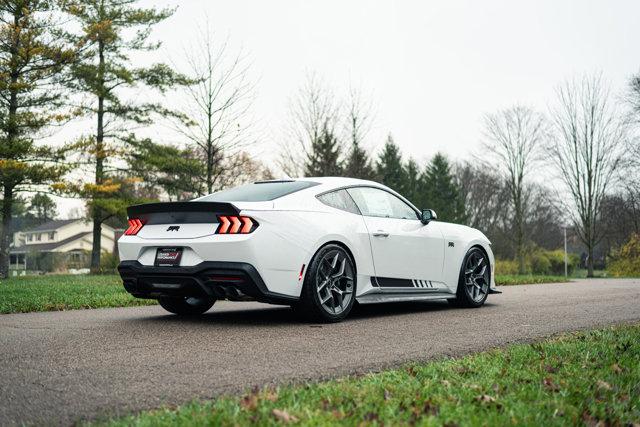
[{"x": 427, "y": 216}]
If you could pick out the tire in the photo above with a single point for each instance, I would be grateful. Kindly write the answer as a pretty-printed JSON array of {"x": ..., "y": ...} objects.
[
  {"x": 474, "y": 280},
  {"x": 186, "y": 306},
  {"x": 329, "y": 289}
]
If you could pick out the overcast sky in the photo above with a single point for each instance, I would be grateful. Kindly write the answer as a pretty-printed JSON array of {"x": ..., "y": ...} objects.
[{"x": 432, "y": 68}]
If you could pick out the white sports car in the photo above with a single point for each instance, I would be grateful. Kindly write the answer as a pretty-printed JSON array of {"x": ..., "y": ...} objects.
[{"x": 316, "y": 244}]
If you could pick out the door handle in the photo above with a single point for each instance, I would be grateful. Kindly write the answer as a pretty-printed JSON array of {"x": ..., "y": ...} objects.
[{"x": 380, "y": 233}]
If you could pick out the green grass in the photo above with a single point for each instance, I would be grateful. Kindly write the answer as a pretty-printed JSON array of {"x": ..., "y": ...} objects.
[
  {"x": 527, "y": 279},
  {"x": 577, "y": 379},
  {"x": 51, "y": 293}
]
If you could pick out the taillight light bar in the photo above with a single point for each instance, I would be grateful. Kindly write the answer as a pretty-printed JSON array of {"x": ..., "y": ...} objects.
[
  {"x": 231, "y": 224},
  {"x": 135, "y": 225}
]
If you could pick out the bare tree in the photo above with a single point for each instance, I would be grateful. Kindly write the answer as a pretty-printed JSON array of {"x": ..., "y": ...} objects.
[
  {"x": 513, "y": 140},
  {"x": 587, "y": 149},
  {"x": 217, "y": 120},
  {"x": 359, "y": 122},
  {"x": 312, "y": 112}
]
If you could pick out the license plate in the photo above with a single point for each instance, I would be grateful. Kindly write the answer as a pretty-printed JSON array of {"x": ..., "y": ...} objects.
[{"x": 168, "y": 257}]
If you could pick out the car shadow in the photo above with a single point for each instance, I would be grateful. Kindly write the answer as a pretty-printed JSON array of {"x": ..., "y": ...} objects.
[{"x": 282, "y": 315}]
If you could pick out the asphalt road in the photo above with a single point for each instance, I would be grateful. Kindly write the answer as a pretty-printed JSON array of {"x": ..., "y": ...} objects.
[{"x": 60, "y": 367}]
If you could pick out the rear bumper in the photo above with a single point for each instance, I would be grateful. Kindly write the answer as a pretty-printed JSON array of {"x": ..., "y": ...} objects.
[{"x": 236, "y": 281}]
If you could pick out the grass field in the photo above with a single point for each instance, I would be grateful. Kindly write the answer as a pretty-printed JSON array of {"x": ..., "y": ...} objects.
[
  {"x": 66, "y": 292},
  {"x": 49, "y": 293},
  {"x": 516, "y": 279},
  {"x": 589, "y": 378}
]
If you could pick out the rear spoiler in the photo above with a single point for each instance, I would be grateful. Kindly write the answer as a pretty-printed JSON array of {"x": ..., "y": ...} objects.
[{"x": 181, "y": 212}]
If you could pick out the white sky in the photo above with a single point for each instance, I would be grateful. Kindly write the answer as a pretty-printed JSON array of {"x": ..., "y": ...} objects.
[{"x": 433, "y": 68}]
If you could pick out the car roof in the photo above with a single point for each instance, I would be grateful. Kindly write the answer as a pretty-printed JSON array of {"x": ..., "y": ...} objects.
[{"x": 328, "y": 183}]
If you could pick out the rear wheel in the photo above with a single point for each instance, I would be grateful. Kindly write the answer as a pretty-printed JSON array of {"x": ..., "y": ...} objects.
[
  {"x": 473, "y": 285},
  {"x": 190, "y": 306},
  {"x": 329, "y": 288}
]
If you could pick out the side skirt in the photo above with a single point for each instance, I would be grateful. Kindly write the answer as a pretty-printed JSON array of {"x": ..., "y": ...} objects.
[{"x": 379, "y": 297}]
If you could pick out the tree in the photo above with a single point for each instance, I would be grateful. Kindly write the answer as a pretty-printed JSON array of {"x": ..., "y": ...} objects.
[
  {"x": 312, "y": 113},
  {"x": 217, "y": 124},
  {"x": 170, "y": 169},
  {"x": 513, "y": 142},
  {"x": 587, "y": 150},
  {"x": 324, "y": 157},
  {"x": 414, "y": 188},
  {"x": 31, "y": 59},
  {"x": 358, "y": 126},
  {"x": 43, "y": 208},
  {"x": 110, "y": 33},
  {"x": 442, "y": 191},
  {"x": 389, "y": 167}
]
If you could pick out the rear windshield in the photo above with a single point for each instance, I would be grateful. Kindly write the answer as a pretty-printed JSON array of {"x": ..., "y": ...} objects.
[{"x": 258, "y": 191}]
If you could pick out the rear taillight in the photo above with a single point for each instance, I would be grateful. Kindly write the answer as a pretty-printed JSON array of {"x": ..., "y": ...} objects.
[
  {"x": 135, "y": 225},
  {"x": 231, "y": 224}
]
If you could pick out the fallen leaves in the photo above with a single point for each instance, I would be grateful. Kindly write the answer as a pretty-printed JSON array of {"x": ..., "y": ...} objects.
[
  {"x": 603, "y": 385},
  {"x": 550, "y": 385},
  {"x": 284, "y": 416},
  {"x": 485, "y": 398}
]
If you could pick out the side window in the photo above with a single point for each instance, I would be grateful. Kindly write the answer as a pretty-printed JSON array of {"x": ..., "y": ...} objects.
[
  {"x": 339, "y": 200},
  {"x": 380, "y": 203}
]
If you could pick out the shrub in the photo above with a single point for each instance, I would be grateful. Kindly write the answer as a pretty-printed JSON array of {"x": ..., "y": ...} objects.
[
  {"x": 108, "y": 263},
  {"x": 626, "y": 262},
  {"x": 506, "y": 266},
  {"x": 539, "y": 263}
]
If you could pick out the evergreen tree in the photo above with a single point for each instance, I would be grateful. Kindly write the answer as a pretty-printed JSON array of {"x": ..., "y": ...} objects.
[
  {"x": 358, "y": 164},
  {"x": 169, "y": 168},
  {"x": 111, "y": 33},
  {"x": 443, "y": 194},
  {"x": 414, "y": 187},
  {"x": 389, "y": 167},
  {"x": 31, "y": 59},
  {"x": 43, "y": 208},
  {"x": 324, "y": 158}
]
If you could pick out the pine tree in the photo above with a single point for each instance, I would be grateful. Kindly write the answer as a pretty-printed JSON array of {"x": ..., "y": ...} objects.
[
  {"x": 31, "y": 59},
  {"x": 324, "y": 158},
  {"x": 359, "y": 164},
  {"x": 414, "y": 186},
  {"x": 443, "y": 194},
  {"x": 173, "y": 170},
  {"x": 43, "y": 208},
  {"x": 112, "y": 33},
  {"x": 389, "y": 167}
]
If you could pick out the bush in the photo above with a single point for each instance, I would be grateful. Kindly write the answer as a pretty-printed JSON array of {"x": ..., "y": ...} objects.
[
  {"x": 540, "y": 262},
  {"x": 626, "y": 262},
  {"x": 506, "y": 266},
  {"x": 108, "y": 263}
]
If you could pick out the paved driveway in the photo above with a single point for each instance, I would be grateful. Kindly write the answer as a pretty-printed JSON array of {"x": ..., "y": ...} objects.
[{"x": 63, "y": 366}]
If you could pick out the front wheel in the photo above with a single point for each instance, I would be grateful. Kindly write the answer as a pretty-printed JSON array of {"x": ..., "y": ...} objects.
[
  {"x": 474, "y": 281},
  {"x": 329, "y": 288},
  {"x": 189, "y": 306}
]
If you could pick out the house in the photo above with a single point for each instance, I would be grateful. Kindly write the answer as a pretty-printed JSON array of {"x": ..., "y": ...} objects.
[{"x": 57, "y": 245}]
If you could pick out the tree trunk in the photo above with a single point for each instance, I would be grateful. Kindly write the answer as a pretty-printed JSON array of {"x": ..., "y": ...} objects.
[
  {"x": 590, "y": 260},
  {"x": 99, "y": 178},
  {"x": 5, "y": 235}
]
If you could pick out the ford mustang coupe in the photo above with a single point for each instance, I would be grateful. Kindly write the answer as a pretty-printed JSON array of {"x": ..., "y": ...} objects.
[{"x": 317, "y": 244}]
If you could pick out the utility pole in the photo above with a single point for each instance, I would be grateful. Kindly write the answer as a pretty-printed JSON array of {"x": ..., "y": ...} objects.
[{"x": 566, "y": 269}]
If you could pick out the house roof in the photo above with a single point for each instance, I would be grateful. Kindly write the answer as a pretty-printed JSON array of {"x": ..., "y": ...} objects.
[
  {"x": 52, "y": 225},
  {"x": 48, "y": 247}
]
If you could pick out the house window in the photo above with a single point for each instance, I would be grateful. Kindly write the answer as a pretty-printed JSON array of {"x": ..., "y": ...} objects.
[
  {"x": 39, "y": 237},
  {"x": 30, "y": 237},
  {"x": 52, "y": 235}
]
